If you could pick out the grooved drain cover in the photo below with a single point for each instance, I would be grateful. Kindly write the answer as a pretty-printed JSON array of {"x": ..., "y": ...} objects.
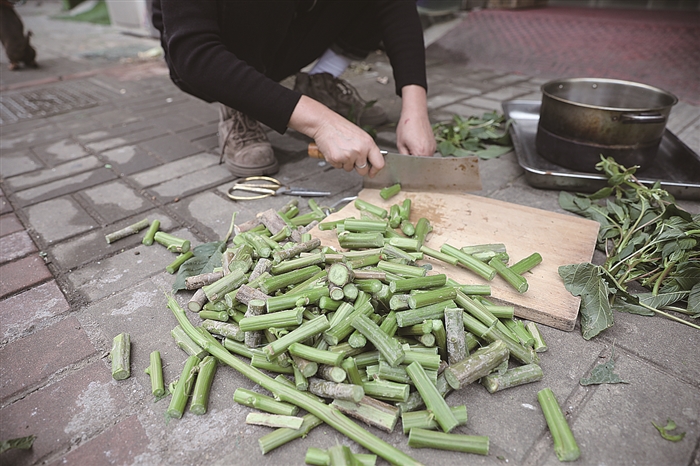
[{"x": 40, "y": 103}]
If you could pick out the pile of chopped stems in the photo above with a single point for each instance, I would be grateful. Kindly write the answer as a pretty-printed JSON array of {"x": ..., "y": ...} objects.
[{"x": 364, "y": 332}]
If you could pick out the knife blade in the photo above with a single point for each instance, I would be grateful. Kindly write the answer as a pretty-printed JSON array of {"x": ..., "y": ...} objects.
[{"x": 418, "y": 173}]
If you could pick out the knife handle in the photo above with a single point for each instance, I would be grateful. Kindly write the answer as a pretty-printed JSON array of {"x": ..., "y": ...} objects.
[{"x": 313, "y": 151}]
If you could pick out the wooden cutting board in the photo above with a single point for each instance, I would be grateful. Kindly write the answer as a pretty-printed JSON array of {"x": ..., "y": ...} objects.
[{"x": 463, "y": 219}]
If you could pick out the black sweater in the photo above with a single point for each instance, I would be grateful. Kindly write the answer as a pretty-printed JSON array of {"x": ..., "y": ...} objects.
[{"x": 227, "y": 51}]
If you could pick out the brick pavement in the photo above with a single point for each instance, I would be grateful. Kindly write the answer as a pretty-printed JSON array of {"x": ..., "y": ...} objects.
[{"x": 67, "y": 179}]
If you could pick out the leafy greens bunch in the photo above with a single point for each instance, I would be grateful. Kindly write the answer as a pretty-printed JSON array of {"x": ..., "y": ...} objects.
[
  {"x": 647, "y": 239},
  {"x": 486, "y": 137}
]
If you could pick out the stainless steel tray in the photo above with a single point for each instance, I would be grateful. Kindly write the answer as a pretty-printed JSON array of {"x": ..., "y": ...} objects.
[{"x": 676, "y": 166}]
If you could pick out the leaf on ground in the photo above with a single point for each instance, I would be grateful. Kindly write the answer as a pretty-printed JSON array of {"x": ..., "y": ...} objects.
[
  {"x": 21, "y": 443},
  {"x": 603, "y": 373},
  {"x": 585, "y": 280},
  {"x": 665, "y": 431},
  {"x": 694, "y": 300},
  {"x": 656, "y": 301},
  {"x": 492, "y": 152},
  {"x": 206, "y": 258}
]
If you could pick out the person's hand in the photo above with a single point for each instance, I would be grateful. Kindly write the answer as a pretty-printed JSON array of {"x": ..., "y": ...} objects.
[
  {"x": 414, "y": 133},
  {"x": 343, "y": 144}
]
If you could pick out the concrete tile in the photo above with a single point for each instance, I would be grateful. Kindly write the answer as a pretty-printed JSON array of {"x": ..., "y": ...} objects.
[
  {"x": 9, "y": 223},
  {"x": 16, "y": 245},
  {"x": 119, "y": 444},
  {"x": 43, "y": 177},
  {"x": 170, "y": 147},
  {"x": 83, "y": 249},
  {"x": 481, "y": 102},
  {"x": 613, "y": 412},
  {"x": 31, "y": 138},
  {"x": 58, "y": 219},
  {"x": 175, "y": 122},
  {"x": 195, "y": 181},
  {"x": 173, "y": 170},
  {"x": 441, "y": 100},
  {"x": 24, "y": 312},
  {"x": 648, "y": 338},
  {"x": 64, "y": 186},
  {"x": 130, "y": 138},
  {"x": 110, "y": 131},
  {"x": 18, "y": 163},
  {"x": 204, "y": 137},
  {"x": 122, "y": 271},
  {"x": 22, "y": 274},
  {"x": 115, "y": 201},
  {"x": 287, "y": 144},
  {"x": 59, "y": 152},
  {"x": 507, "y": 93},
  {"x": 509, "y": 79},
  {"x": 212, "y": 213},
  {"x": 5, "y": 206},
  {"x": 43, "y": 354},
  {"x": 89, "y": 402},
  {"x": 127, "y": 160}
]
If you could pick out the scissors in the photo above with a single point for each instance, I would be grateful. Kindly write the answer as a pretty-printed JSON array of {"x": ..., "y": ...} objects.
[{"x": 265, "y": 186}]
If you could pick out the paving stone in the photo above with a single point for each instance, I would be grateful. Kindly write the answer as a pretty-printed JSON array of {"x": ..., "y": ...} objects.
[
  {"x": 17, "y": 163},
  {"x": 5, "y": 206},
  {"x": 111, "y": 131},
  {"x": 507, "y": 93},
  {"x": 212, "y": 213},
  {"x": 174, "y": 170},
  {"x": 671, "y": 354},
  {"x": 127, "y": 160},
  {"x": 481, "y": 102},
  {"x": 141, "y": 311},
  {"x": 43, "y": 354},
  {"x": 25, "y": 311},
  {"x": 126, "y": 269},
  {"x": 115, "y": 201},
  {"x": 437, "y": 101},
  {"x": 16, "y": 245},
  {"x": 144, "y": 134},
  {"x": 58, "y": 219},
  {"x": 509, "y": 79},
  {"x": 120, "y": 444},
  {"x": 22, "y": 274},
  {"x": 9, "y": 223},
  {"x": 32, "y": 138},
  {"x": 612, "y": 412},
  {"x": 64, "y": 186},
  {"x": 175, "y": 122},
  {"x": 204, "y": 137},
  {"x": 64, "y": 414},
  {"x": 59, "y": 152},
  {"x": 68, "y": 255},
  {"x": 43, "y": 177},
  {"x": 286, "y": 143},
  {"x": 197, "y": 180},
  {"x": 170, "y": 147}
]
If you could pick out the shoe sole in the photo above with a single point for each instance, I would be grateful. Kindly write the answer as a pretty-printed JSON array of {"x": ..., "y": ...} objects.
[{"x": 240, "y": 171}]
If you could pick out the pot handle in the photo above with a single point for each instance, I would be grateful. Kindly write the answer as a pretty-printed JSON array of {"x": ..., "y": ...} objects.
[{"x": 642, "y": 118}]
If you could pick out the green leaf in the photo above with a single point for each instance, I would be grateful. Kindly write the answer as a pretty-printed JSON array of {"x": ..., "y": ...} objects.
[
  {"x": 446, "y": 148},
  {"x": 665, "y": 431},
  {"x": 603, "y": 373},
  {"x": 694, "y": 299},
  {"x": 206, "y": 258},
  {"x": 586, "y": 280},
  {"x": 492, "y": 151},
  {"x": 21, "y": 443}
]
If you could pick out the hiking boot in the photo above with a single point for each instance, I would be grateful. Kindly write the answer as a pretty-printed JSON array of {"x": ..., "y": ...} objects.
[
  {"x": 338, "y": 95},
  {"x": 244, "y": 146}
]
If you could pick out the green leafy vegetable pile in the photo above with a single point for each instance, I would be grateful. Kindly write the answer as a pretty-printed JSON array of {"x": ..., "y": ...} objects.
[
  {"x": 647, "y": 239},
  {"x": 486, "y": 137}
]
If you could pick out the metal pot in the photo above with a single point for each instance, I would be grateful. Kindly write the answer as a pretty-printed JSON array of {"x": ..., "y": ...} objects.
[{"x": 582, "y": 118}]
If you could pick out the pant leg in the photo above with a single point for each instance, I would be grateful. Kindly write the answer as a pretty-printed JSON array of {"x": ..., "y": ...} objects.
[{"x": 349, "y": 27}]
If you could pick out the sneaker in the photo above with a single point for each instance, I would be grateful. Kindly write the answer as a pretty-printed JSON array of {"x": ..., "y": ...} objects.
[
  {"x": 338, "y": 95},
  {"x": 244, "y": 146}
]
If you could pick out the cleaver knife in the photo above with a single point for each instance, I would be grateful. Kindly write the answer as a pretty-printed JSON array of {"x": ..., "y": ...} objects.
[{"x": 417, "y": 173}]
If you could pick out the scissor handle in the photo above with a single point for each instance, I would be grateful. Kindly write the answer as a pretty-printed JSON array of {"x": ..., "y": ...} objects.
[{"x": 264, "y": 190}]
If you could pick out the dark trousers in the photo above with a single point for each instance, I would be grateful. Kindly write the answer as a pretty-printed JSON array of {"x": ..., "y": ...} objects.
[{"x": 350, "y": 28}]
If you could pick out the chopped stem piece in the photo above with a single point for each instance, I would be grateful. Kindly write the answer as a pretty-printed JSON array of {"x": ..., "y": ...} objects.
[
  {"x": 173, "y": 243},
  {"x": 526, "y": 264},
  {"x": 513, "y": 279},
  {"x": 284, "y": 435},
  {"x": 477, "y": 365},
  {"x": 388, "y": 347},
  {"x": 148, "y": 238},
  {"x": 155, "y": 371},
  {"x": 202, "y": 387},
  {"x": 512, "y": 378},
  {"x": 121, "y": 356},
  {"x": 274, "y": 420},
  {"x": 183, "y": 388},
  {"x": 432, "y": 398},
  {"x": 371, "y": 411},
  {"x": 565, "y": 445},
  {"x": 337, "y": 391},
  {"x": 426, "y": 419},
  {"x": 422, "y": 438},
  {"x": 127, "y": 231},
  {"x": 540, "y": 345}
]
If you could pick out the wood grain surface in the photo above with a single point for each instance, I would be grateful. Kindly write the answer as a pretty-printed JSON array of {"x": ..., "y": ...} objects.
[{"x": 464, "y": 219}]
